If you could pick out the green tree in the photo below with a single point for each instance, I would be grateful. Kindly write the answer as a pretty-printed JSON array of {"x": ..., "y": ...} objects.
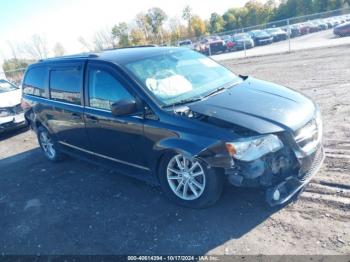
[
  {"x": 230, "y": 19},
  {"x": 216, "y": 23},
  {"x": 155, "y": 18},
  {"x": 137, "y": 37},
  {"x": 120, "y": 32},
  {"x": 142, "y": 24}
]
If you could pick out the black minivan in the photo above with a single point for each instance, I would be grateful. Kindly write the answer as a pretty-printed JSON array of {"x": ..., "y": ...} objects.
[{"x": 177, "y": 118}]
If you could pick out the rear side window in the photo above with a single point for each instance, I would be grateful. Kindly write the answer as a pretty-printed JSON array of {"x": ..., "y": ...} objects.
[
  {"x": 35, "y": 81},
  {"x": 65, "y": 85},
  {"x": 105, "y": 89}
]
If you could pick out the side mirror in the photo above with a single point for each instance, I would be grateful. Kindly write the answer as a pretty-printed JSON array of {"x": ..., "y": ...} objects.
[{"x": 124, "y": 107}]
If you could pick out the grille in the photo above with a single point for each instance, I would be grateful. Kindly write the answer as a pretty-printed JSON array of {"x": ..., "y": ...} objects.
[{"x": 310, "y": 164}]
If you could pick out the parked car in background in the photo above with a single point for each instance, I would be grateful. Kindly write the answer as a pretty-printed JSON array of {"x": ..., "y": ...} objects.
[
  {"x": 213, "y": 45},
  {"x": 242, "y": 40},
  {"x": 308, "y": 27},
  {"x": 11, "y": 113},
  {"x": 342, "y": 30},
  {"x": 228, "y": 42},
  {"x": 277, "y": 33},
  {"x": 294, "y": 30},
  {"x": 176, "y": 118},
  {"x": 320, "y": 24},
  {"x": 329, "y": 22},
  {"x": 186, "y": 43},
  {"x": 260, "y": 37}
]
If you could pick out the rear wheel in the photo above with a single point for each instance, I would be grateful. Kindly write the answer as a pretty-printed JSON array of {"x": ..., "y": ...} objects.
[
  {"x": 48, "y": 145},
  {"x": 189, "y": 182}
]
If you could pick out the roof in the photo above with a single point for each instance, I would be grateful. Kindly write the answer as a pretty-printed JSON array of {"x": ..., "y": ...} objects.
[{"x": 119, "y": 56}]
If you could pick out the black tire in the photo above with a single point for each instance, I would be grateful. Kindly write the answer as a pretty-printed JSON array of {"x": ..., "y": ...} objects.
[
  {"x": 214, "y": 182},
  {"x": 54, "y": 156}
]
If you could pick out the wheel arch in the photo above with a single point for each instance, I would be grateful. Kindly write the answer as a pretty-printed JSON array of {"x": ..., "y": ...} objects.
[{"x": 211, "y": 154}]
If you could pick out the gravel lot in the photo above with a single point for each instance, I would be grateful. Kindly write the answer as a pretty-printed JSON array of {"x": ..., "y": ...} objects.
[{"x": 79, "y": 208}]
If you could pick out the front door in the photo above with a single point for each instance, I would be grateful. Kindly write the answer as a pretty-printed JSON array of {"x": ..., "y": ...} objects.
[{"x": 115, "y": 139}]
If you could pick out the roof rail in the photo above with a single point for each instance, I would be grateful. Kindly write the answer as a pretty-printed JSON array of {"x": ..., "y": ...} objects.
[
  {"x": 82, "y": 55},
  {"x": 133, "y": 46}
]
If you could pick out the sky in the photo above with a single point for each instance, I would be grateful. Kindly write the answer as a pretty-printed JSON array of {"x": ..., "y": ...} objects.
[{"x": 65, "y": 20}]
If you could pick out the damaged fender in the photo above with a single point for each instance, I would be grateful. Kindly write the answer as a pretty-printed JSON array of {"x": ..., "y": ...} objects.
[{"x": 212, "y": 152}]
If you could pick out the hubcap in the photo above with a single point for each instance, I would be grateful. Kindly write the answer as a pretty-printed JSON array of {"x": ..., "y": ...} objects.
[
  {"x": 185, "y": 177},
  {"x": 47, "y": 144}
]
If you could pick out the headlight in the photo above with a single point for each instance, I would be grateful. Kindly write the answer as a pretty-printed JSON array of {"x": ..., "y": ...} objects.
[
  {"x": 5, "y": 112},
  {"x": 254, "y": 147}
]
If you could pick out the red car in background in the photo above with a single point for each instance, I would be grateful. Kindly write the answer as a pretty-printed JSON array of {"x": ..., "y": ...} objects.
[
  {"x": 212, "y": 45},
  {"x": 308, "y": 27}
]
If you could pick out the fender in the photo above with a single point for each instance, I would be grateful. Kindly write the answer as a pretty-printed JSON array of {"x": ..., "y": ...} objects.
[{"x": 208, "y": 150}]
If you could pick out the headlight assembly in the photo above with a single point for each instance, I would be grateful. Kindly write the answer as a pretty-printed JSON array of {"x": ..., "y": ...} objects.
[{"x": 254, "y": 147}]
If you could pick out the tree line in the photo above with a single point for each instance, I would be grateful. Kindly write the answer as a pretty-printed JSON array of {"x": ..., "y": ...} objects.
[{"x": 156, "y": 27}]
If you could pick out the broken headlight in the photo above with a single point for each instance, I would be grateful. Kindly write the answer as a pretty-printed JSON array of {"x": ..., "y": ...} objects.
[{"x": 253, "y": 148}]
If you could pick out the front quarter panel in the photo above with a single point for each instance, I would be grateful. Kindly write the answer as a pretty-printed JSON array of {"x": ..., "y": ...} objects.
[{"x": 189, "y": 137}]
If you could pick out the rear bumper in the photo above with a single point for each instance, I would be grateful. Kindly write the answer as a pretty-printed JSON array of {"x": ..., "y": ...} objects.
[{"x": 285, "y": 190}]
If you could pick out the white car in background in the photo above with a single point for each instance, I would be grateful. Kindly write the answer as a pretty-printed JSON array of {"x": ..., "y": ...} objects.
[{"x": 11, "y": 112}]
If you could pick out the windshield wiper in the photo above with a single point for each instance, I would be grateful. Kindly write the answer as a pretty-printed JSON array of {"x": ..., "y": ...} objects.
[
  {"x": 221, "y": 88},
  {"x": 215, "y": 91},
  {"x": 184, "y": 101}
]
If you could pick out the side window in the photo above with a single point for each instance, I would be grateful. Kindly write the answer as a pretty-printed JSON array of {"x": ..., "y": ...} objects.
[
  {"x": 105, "y": 89},
  {"x": 35, "y": 81},
  {"x": 65, "y": 85}
]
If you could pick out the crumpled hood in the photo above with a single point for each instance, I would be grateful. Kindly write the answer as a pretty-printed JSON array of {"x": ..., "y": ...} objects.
[
  {"x": 11, "y": 98},
  {"x": 259, "y": 106}
]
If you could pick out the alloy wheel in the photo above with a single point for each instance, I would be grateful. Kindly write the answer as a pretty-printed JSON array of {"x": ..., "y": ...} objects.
[
  {"x": 186, "y": 177},
  {"x": 47, "y": 144}
]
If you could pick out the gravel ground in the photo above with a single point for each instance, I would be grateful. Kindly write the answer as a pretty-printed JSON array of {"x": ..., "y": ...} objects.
[{"x": 79, "y": 208}]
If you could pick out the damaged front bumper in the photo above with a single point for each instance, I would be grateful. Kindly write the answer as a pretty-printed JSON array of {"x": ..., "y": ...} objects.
[
  {"x": 12, "y": 122},
  {"x": 284, "y": 191},
  {"x": 281, "y": 185}
]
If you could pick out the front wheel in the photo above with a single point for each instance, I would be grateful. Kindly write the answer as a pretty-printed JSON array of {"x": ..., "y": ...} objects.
[
  {"x": 48, "y": 145},
  {"x": 189, "y": 182}
]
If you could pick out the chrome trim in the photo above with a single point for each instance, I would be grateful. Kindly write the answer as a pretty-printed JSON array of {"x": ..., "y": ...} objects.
[
  {"x": 109, "y": 111},
  {"x": 103, "y": 156},
  {"x": 80, "y": 106},
  {"x": 98, "y": 109},
  {"x": 52, "y": 100}
]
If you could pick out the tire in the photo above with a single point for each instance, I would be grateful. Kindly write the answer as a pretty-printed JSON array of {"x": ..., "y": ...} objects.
[
  {"x": 206, "y": 182},
  {"x": 48, "y": 145}
]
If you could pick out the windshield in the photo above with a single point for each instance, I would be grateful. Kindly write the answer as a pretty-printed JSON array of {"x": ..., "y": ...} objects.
[
  {"x": 6, "y": 86},
  {"x": 182, "y": 75}
]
